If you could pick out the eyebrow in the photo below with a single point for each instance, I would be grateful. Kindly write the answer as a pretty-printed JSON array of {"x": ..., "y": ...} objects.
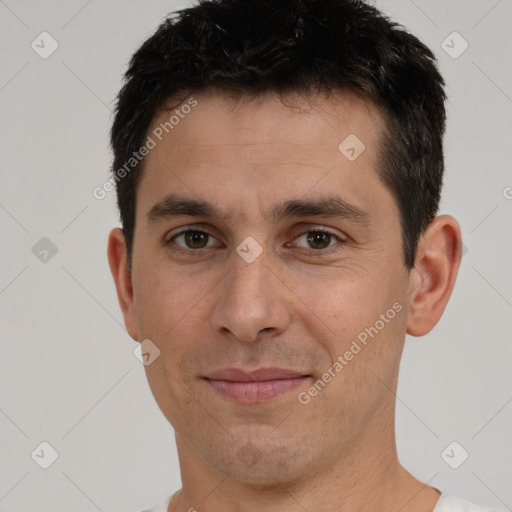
[{"x": 175, "y": 205}]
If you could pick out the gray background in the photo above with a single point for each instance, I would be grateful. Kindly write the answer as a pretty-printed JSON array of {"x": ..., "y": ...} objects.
[{"x": 68, "y": 373}]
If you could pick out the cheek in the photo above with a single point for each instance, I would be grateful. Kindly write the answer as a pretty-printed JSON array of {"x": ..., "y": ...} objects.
[
  {"x": 359, "y": 307},
  {"x": 339, "y": 300},
  {"x": 163, "y": 303},
  {"x": 363, "y": 336},
  {"x": 174, "y": 309},
  {"x": 171, "y": 312}
]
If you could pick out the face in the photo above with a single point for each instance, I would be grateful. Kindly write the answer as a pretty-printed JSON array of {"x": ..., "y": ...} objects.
[{"x": 268, "y": 270}]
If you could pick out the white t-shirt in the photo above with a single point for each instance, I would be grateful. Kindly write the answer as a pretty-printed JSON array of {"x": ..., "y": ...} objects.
[{"x": 446, "y": 503}]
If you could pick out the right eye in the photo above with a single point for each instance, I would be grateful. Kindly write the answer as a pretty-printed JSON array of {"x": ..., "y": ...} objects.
[{"x": 192, "y": 239}]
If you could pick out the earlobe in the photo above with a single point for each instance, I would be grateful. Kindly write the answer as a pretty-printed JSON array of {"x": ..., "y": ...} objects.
[
  {"x": 434, "y": 274},
  {"x": 117, "y": 259}
]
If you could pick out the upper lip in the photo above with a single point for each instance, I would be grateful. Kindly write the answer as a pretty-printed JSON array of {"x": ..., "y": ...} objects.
[{"x": 260, "y": 374}]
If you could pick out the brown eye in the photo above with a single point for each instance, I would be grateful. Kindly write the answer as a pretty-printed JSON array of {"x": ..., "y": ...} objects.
[
  {"x": 318, "y": 239},
  {"x": 193, "y": 239},
  {"x": 196, "y": 239}
]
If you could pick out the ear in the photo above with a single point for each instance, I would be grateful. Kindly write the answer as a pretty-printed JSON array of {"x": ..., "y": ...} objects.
[
  {"x": 117, "y": 259},
  {"x": 433, "y": 277}
]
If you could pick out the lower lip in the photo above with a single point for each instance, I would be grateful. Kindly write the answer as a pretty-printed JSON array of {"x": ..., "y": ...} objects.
[{"x": 255, "y": 391}]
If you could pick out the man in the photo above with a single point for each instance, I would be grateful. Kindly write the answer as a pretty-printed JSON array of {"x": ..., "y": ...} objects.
[{"x": 278, "y": 167}]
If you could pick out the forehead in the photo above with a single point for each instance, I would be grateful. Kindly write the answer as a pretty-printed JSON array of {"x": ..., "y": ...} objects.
[
  {"x": 221, "y": 121},
  {"x": 267, "y": 146}
]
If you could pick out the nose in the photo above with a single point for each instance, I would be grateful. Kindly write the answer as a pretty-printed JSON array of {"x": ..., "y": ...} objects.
[{"x": 253, "y": 300}]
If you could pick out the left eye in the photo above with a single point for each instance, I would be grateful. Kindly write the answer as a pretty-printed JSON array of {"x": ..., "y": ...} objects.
[{"x": 318, "y": 239}]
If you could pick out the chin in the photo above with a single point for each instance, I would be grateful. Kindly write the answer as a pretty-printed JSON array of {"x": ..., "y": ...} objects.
[{"x": 260, "y": 458}]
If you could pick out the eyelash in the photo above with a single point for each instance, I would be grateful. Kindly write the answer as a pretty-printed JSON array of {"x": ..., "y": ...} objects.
[{"x": 316, "y": 252}]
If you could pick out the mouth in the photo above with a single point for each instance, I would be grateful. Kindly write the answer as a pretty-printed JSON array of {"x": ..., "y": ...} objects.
[{"x": 255, "y": 386}]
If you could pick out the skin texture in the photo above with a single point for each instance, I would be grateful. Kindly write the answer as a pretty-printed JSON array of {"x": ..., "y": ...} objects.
[{"x": 296, "y": 306}]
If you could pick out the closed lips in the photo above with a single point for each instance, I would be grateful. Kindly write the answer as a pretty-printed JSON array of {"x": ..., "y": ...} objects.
[
  {"x": 260, "y": 374},
  {"x": 256, "y": 386}
]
